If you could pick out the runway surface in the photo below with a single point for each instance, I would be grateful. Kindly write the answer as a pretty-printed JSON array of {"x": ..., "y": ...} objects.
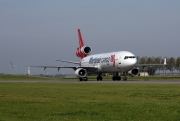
[{"x": 110, "y": 81}]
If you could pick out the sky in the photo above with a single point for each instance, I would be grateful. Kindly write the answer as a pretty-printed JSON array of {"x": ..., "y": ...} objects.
[{"x": 36, "y": 32}]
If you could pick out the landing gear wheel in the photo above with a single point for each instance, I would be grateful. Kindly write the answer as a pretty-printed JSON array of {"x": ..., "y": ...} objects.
[
  {"x": 114, "y": 78},
  {"x": 99, "y": 77},
  {"x": 118, "y": 78},
  {"x": 124, "y": 78},
  {"x": 83, "y": 78},
  {"x": 80, "y": 79}
]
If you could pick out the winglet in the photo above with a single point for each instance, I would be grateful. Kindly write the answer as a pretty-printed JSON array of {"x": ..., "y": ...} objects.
[{"x": 165, "y": 63}]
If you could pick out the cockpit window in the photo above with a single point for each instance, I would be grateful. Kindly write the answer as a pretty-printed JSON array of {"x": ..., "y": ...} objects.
[{"x": 126, "y": 57}]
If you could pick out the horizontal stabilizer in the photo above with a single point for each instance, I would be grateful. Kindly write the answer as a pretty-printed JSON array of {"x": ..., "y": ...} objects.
[{"x": 13, "y": 66}]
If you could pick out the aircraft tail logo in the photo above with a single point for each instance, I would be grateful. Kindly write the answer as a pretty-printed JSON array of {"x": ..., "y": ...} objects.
[{"x": 113, "y": 60}]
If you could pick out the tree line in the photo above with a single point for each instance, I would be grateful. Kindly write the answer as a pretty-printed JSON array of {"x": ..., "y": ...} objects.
[{"x": 172, "y": 63}]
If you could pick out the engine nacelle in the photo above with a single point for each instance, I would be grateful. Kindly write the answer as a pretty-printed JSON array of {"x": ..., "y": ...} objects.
[
  {"x": 134, "y": 72},
  {"x": 83, "y": 51},
  {"x": 80, "y": 72}
]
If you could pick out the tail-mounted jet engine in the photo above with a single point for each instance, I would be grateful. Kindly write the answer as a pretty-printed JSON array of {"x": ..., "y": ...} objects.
[
  {"x": 134, "y": 72},
  {"x": 83, "y": 51},
  {"x": 80, "y": 72}
]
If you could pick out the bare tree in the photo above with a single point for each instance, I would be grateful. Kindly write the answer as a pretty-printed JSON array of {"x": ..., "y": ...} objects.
[
  {"x": 151, "y": 70},
  {"x": 149, "y": 60},
  {"x": 157, "y": 60},
  {"x": 142, "y": 60},
  {"x": 138, "y": 59},
  {"x": 178, "y": 64},
  {"x": 171, "y": 64}
]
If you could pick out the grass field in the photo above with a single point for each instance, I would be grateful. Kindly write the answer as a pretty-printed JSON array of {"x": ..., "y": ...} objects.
[
  {"x": 88, "y": 101},
  {"x": 23, "y": 77}
]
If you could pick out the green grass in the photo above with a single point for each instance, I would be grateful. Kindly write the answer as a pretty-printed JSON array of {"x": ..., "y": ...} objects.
[
  {"x": 85, "y": 101},
  {"x": 24, "y": 77},
  {"x": 155, "y": 78}
]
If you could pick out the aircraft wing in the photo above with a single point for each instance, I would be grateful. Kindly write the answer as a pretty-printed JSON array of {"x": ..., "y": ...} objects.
[
  {"x": 145, "y": 65},
  {"x": 88, "y": 68},
  {"x": 68, "y": 61},
  {"x": 58, "y": 67}
]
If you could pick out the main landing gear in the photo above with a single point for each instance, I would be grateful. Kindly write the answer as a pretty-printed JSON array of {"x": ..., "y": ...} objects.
[
  {"x": 118, "y": 78},
  {"x": 99, "y": 77},
  {"x": 114, "y": 77},
  {"x": 83, "y": 78}
]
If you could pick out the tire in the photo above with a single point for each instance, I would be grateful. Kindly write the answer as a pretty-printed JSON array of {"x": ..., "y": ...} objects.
[
  {"x": 85, "y": 79},
  {"x": 124, "y": 78},
  {"x": 118, "y": 78},
  {"x": 80, "y": 79},
  {"x": 113, "y": 78}
]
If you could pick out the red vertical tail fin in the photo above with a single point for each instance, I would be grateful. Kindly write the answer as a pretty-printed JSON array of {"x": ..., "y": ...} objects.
[
  {"x": 81, "y": 42},
  {"x": 82, "y": 51}
]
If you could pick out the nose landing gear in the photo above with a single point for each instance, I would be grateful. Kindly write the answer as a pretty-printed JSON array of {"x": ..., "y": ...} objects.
[{"x": 124, "y": 76}]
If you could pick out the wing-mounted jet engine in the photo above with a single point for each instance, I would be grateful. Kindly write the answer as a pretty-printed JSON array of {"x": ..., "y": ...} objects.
[
  {"x": 134, "y": 72},
  {"x": 80, "y": 72}
]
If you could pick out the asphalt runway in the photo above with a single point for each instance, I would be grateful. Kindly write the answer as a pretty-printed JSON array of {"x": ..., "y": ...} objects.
[{"x": 110, "y": 81}]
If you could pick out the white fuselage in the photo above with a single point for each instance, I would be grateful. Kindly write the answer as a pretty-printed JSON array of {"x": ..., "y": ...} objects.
[{"x": 121, "y": 61}]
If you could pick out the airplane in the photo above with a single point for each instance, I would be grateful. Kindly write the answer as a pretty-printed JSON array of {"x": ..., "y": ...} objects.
[{"x": 123, "y": 62}]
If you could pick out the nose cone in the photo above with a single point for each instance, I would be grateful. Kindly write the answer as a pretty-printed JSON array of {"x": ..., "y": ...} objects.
[{"x": 134, "y": 62}]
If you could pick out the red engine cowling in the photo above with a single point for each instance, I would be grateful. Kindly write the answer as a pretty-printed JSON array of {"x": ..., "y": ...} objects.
[{"x": 83, "y": 51}]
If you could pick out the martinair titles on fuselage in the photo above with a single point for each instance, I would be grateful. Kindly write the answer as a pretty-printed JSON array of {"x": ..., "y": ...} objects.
[{"x": 99, "y": 60}]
